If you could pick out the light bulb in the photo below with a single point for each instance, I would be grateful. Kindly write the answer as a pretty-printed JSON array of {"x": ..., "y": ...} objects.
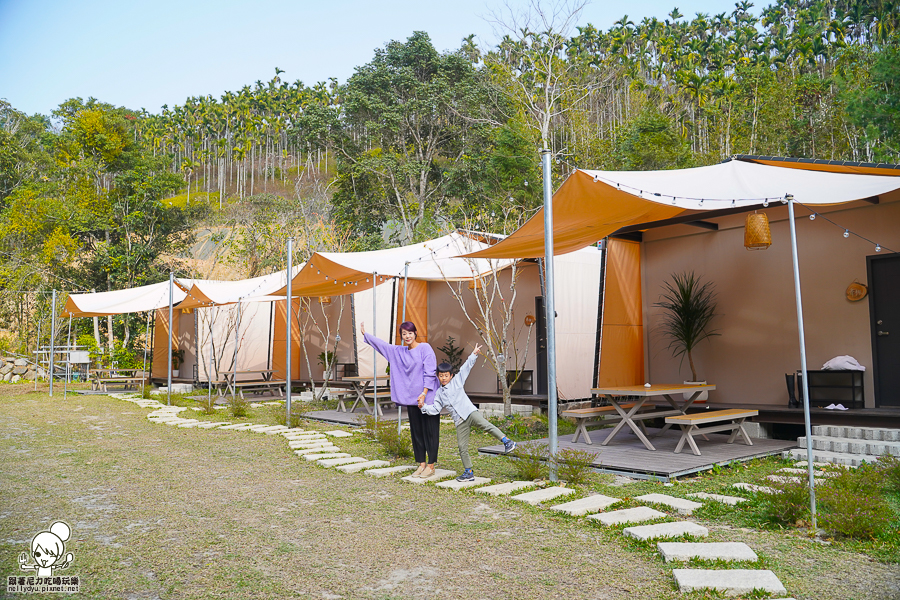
[
  {"x": 812, "y": 217},
  {"x": 765, "y": 203},
  {"x": 526, "y": 184},
  {"x": 596, "y": 178},
  {"x": 701, "y": 202},
  {"x": 877, "y": 248},
  {"x": 846, "y": 233}
]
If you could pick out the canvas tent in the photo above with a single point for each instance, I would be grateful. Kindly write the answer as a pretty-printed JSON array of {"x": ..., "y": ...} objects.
[{"x": 117, "y": 302}]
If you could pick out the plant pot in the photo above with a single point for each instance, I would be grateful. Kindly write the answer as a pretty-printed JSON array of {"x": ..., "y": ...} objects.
[
  {"x": 703, "y": 395},
  {"x": 176, "y": 372}
]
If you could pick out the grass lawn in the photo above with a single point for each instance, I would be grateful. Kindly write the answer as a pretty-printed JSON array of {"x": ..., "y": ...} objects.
[{"x": 163, "y": 512}]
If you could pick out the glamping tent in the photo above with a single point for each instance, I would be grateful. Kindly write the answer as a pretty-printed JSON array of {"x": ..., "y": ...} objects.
[{"x": 666, "y": 222}]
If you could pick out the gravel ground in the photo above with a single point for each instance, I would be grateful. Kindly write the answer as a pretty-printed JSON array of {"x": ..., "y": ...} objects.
[{"x": 163, "y": 512}]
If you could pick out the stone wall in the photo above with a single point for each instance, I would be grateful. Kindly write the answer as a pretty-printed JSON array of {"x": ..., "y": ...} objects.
[{"x": 14, "y": 370}]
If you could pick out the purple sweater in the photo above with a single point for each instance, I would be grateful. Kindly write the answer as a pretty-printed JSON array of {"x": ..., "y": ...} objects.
[{"x": 412, "y": 370}]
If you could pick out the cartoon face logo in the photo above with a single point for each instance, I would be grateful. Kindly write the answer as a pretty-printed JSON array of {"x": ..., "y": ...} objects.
[{"x": 47, "y": 550}]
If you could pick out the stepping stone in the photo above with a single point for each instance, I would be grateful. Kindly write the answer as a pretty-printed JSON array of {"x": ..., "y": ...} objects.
[
  {"x": 362, "y": 466},
  {"x": 265, "y": 428},
  {"x": 503, "y": 489},
  {"x": 755, "y": 488},
  {"x": 255, "y": 405},
  {"x": 583, "y": 506},
  {"x": 802, "y": 463},
  {"x": 161, "y": 418},
  {"x": 797, "y": 471},
  {"x": 280, "y": 429},
  {"x": 684, "y": 507},
  {"x": 327, "y": 455},
  {"x": 238, "y": 426},
  {"x": 665, "y": 530},
  {"x": 784, "y": 479},
  {"x": 309, "y": 444},
  {"x": 628, "y": 515},
  {"x": 306, "y": 438},
  {"x": 707, "y": 551},
  {"x": 390, "y": 470},
  {"x": 212, "y": 425},
  {"x": 190, "y": 423},
  {"x": 333, "y": 462},
  {"x": 537, "y": 496},
  {"x": 730, "y": 500},
  {"x": 338, "y": 433},
  {"x": 730, "y": 581},
  {"x": 319, "y": 450},
  {"x": 460, "y": 485},
  {"x": 180, "y": 421},
  {"x": 438, "y": 475}
]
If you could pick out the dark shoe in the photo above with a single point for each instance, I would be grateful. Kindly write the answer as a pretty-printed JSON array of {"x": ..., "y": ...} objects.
[
  {"x": 509, "y": 446},
  {"x": 467, "y": 475}
]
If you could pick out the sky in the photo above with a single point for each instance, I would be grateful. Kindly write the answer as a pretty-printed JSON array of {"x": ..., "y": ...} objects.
[{"x": 142, "y": 54}]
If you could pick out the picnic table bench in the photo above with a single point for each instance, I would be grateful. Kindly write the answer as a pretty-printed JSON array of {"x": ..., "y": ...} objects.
[
  {"x": 382, "y": 398},
  {"x": 262, "y": 383},
  {"x": 690, "y": 425},
  {"x": 592, "y": 416},
  {"x": 101, "y": 379}
]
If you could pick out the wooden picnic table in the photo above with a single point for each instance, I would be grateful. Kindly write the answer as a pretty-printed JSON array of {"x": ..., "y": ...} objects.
[
  {"x": 361, "y": 385},
  {"x": 638, "y": 395},
  {"x": 101, "y": 379},
  {"x": 260, "y": 381}
]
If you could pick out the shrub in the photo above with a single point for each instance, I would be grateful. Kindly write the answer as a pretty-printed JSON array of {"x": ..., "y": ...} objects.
[
  {"x": 574, "y": 465},
  {"x": 889, "y": 467},
  {"x": 385, "y": 433},
  {"x": 790, "y": 505},
  {"x": 239, "y": 406},
  {"x": 517, "y": 426},
  {"x": 851, "y": 503},
  {"x": 281, "y": 415},
  {"x": 208, "y": 403},
  {"x": 531, "y": 461}
]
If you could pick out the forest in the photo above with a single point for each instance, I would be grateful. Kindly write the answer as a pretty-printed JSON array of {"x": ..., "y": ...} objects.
[{"x": 418, "y": 142}]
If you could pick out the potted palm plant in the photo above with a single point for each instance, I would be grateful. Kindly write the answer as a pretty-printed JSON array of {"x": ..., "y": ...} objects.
[
  {"x": 177, "y": 358},
  {"x": 326, "y": 359},
  {"x": 689, "y": 306}
]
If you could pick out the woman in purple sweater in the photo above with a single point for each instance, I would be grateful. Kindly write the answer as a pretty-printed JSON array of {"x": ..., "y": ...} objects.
[{"x": 413, "y": 378}]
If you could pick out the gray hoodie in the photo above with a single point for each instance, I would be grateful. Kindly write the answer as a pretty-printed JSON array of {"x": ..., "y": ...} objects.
[{"x": 453, "y": 395}]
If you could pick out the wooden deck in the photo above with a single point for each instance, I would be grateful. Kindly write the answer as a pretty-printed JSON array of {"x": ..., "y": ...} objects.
[
  {"x": 626, "y": 455},
  {"x": 354, "y": 419}
]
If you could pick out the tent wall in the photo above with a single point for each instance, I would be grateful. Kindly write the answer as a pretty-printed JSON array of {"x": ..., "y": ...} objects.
[
  {"x": 384, "y": 328},
  {"x": 160, "y": 362},
  {"x": 758, "y": 322},
  {"x": 577, "y": 277},
  {"x": 622, "y": 335},
  {"x": 321, "y": 324},
  {"x": 416, "y": 307},
  {"x": 279, "y": 339},
  {"x": 253, "y": 339}
]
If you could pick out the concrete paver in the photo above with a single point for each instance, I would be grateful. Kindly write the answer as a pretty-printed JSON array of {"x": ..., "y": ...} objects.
[
  {"x": 503, "y": 489},
  {"x": 665, "y": 530},
  {"x": 684, "y": 507},
  {"x": 706, "y": 550},
  {"x": 583, "y": 506},
  {"x": 628, "y": 515},
  {"x": 731, "y": 581}
]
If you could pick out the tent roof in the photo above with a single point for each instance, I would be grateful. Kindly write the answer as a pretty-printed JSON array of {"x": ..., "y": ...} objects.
[
  {"x": 117, "y": 302},
  {"x": 828, "y": 166},
  {"x": 257, "y": 289},
  {"x": 591, "y": 205},
  {"x": 336, "y": 273}
]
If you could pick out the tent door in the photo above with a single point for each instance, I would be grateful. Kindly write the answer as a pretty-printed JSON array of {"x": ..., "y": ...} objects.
[
  {"x": 884, "y": 312},
  {"x": 541, "y": 358}
]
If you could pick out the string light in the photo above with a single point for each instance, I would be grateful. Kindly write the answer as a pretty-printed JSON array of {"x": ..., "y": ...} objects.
[
  {"x": 877, "y": 248},
  {"x": 812, "y": 217},
  {"x": 765, "y": 203},
  {"x": 846, "y": 233}
]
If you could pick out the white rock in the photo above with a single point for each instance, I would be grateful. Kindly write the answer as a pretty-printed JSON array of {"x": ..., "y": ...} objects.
[
  {"x": 628, "y": 515},
  {"x": 665, "y": 530},
  {"x": 684, "y": 507},
  {"x": 583, "y": 506}
]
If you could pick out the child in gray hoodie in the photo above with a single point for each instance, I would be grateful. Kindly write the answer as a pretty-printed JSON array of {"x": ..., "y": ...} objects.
[{"x": 452, "y": 395}]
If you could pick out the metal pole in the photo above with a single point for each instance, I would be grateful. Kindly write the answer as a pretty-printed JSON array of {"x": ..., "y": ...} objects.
[
  {"x": 144, "y": 374},
  {"x": 237, "y": 330},
  {"x": 37, "y": 349},
  {"x": 290, "y": 318},
  {"x": 52, "y": 338},
  {"x": 405, "y": 292},
  {"x": 171, "y": 327},
  {"x": 96, "y": 324},
  {"x": 212, "y": 348},
  {"x": 809, "y": 454},
  {"x": 68, "y": 359},
  {"x": 374, "y": 351},
  {"x": 550, "y": 308}
]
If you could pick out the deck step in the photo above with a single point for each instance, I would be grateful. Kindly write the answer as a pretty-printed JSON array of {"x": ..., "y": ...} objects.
[
  {"x": 684, "y": 507},
  {"x": 852, "y": 445},
  {"x": 537, "y": 496},
  {"x": 730, "y": 581},
  {"x": 583, "y": 506},
  {"x": 665, "y": 530},
  {"x": 861, "y": 433},
  {"x": 706, "y": 551},
  {"x": 852, "y": 460},
  {"x": 628, "y": 515}
]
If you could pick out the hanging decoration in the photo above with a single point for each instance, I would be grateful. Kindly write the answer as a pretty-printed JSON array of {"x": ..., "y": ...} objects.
[
  {"x": 856, "y": 291},
  {"x": 324, "y": 299},
  {"x": 757, "y": 235}
]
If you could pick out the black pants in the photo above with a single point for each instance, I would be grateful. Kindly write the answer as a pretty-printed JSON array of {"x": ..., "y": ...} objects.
[{"x": 425, "y": 431}]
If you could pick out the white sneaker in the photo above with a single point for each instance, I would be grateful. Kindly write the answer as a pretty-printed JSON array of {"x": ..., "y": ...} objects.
[{"x": 831, "y": 407}]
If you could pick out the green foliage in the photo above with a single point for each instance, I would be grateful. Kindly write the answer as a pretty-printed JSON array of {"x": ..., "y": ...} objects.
[
  {"x": 689, "y": 307},
  {"x": 239, "y": 406},
  {"x": 875, "y": 107},
  {"x": 851, "y": 504},
  {"x": 889, "y": 467},
  {"x": 651, "y": 143},
  {"x": 789, "y": 506},
  {"x": 574, "y": 465},
  {"x": 530, "y": 461},
  {"x": 395, "y": 443},
  {"x": 453, "y": 353}
]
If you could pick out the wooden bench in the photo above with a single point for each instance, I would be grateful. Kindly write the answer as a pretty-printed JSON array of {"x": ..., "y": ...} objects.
[
  {"x": 258, "y": 387},
  {"x": 690, "y": 425},
  {"x": 383, "y": 397},
  {"x": 592, "y": 416},
  {"x": 101, "y": 379}
]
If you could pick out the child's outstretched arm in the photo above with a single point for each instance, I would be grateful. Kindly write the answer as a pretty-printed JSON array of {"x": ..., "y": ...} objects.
[{"x": 466, "y": 368}]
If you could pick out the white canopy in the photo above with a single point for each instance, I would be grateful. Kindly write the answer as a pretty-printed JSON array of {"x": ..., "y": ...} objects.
[
  {"x": 217, "y": 293},
  {"x": 117, "y": 302}
]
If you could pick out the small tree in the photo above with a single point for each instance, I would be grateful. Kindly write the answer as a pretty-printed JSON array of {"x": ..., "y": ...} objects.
[{"x": 689, "y": 307}]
